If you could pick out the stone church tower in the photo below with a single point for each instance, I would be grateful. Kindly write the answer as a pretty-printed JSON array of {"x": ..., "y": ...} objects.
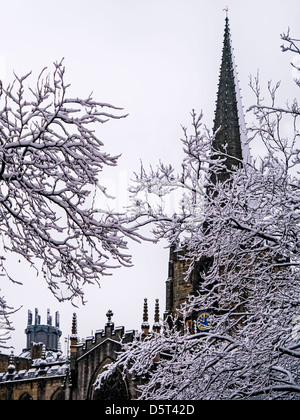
[
  {"x": 46, "y": 334},
  {"x": 231, "y": 139}
]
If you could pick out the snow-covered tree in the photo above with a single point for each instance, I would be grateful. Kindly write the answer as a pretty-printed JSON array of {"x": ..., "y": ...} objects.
[
  {"x": 5, "y": 324},
  {"x": 247, "y": 228},
  {"x": 51, "y": 158}
]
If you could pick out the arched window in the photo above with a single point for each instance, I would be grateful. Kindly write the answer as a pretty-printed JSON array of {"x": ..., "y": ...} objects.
[
  {"x": 59, "y": 394},
  {"x": 114, "y": 388},
  {"x": 25, "y": 396}
]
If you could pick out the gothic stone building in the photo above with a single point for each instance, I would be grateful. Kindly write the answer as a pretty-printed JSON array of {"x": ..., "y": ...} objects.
[
  {"x": 39, "y": 372},
  {"x": 42, "y": 372}
]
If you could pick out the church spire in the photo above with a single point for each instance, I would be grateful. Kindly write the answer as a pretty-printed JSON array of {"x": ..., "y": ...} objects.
[{"x": 229, "y": 124}]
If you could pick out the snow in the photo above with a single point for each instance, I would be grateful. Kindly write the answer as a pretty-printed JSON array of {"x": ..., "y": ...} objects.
[{"x": 251, "y": 284}]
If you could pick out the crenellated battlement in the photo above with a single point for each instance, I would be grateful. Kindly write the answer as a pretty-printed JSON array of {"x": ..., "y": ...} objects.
[{"x": 110, "y": 332}]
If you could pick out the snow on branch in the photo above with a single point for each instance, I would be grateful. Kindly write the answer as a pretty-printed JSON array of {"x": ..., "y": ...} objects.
[
  {"x": 50, "y": 161},
  {"x": 5, "y": 324},
  {"x": 240, "y": 240}
]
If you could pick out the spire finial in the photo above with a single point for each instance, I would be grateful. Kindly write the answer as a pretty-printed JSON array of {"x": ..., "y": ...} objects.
[
  {"x": 43, "y": 355},
  {"x": 145, "y": 312},
  {"x": 156, "y": 313},
  {"x": 11, "y": 366},
  {"x": 74, "y": 324},
  {"x": 145, "y": 324},
  {"x": 73, "y": 341},
  {"x": 109, "y": 315},
  {"x": 156, "y": 326}
]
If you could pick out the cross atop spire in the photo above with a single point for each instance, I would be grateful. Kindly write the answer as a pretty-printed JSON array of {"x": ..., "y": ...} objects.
[{"x": 226, "y": 10}]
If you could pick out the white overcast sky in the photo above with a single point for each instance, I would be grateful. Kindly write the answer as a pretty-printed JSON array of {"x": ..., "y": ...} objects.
[{"x": 158, "y": 59}]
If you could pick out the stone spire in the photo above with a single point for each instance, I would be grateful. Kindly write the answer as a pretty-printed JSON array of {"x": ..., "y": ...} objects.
[
  {"x": 230, "y": 136},
  {"x": 73, "y": 342},
  {"x": 156, "y": 325},
  {"x": 145, "y": 324},
  {"x": 229, "y": 124},
  {"x": 74, "y": 325},
  {"x": 74, "y": 336}
]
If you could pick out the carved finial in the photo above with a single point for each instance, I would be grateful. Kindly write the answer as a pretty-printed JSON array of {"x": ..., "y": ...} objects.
[
  {"x": 145, "y": 324},
  {"x": 73, "y": 340},
  {"x": 11, "y": 366},
  {"x": 43, "y": 356},
  {"x": 74, "y": 324},
  {"x": 156, "y": 314},
  {"x": 156, "y": 326},
  {"x": 145, "y": 313},
  {"x": 43, "y": 362},
  {"x": 109, "y": 315}
]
